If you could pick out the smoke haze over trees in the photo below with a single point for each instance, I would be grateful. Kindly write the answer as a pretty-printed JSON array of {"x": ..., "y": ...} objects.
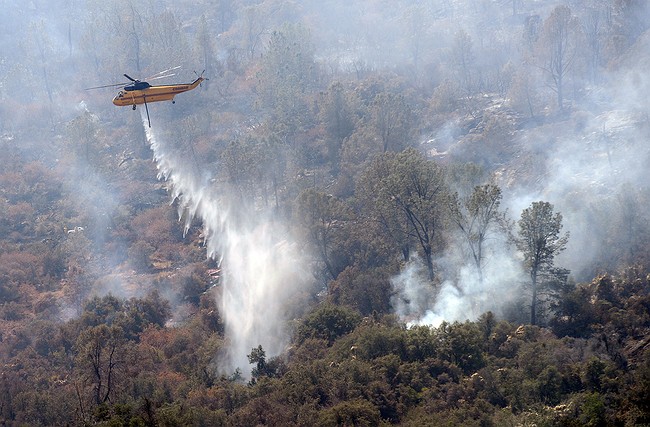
[{"x": 416, "y": 213}]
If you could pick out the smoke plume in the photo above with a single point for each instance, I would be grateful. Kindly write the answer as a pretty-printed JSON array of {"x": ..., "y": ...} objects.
[{"x": 462, "y": 295}]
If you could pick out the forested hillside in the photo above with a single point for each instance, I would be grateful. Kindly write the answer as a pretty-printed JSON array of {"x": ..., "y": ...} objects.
[{"x": 370, "y": 213}]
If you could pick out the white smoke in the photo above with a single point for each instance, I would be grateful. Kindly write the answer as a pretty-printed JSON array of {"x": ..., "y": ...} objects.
[
  {"x": 413, "y": 296},
  {"x": 261, "y": 267},
  {"x": 461, "y": 297}
]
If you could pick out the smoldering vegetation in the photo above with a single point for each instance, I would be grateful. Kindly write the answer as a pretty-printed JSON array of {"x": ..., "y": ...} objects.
[{"x": 355, "y": 196}]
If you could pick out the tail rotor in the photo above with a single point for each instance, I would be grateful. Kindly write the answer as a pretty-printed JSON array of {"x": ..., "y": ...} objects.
[{"x": 200, "y": 76}]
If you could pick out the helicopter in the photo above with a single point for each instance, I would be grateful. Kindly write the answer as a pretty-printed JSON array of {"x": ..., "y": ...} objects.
[{"x": 138, "y": 92}]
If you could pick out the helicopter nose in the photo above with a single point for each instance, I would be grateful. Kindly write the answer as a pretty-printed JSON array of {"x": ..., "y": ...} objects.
[{"x": 119, "y": 99}]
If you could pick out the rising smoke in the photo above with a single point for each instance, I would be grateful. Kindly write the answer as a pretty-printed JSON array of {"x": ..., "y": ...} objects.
[
  {"x": 591, "y": 165},
  {"x": 462, "y": 295},
  {"x": 262, "y": 267}
]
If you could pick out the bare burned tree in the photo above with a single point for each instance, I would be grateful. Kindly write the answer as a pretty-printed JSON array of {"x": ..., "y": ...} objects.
[
  {"x": 558, "y": 48},
  {"x": 476, "y": 217}
]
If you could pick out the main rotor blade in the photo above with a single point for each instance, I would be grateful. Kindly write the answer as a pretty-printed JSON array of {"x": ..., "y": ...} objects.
[
  {"x": 101, "y": 87},
  {"x": 130, "y": 78}
]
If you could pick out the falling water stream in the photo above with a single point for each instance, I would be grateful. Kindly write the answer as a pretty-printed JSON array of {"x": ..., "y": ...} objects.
[{"x": 261, "y": 266}]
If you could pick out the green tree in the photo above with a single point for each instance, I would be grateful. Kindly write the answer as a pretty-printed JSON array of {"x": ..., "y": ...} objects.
[
  {"x": 461, "y": 344},
  {"x": 356, "y": 412},
  {"x": 254, "y": 166},
  {"x": 264, "y": 368},
  {"x": 640, "y": 390},
  {"x": 83, "y": 134},
  {"x": 325, "y": 218},
  {"x": 131, "y": 316},
  {"x": 337, "y": 115},
  {"x": 574, "y": 316},
  {"x": 407, "y": 194},
  {"x": 539, "y": 241},
  {"x": 150, "y": 310},
  {"x": 393, "y": 121},
  {"x": 101, "y": 358},
  {"x": 366, "y": 289},
  {"x": 328, "y": 322},
  {"x": 287, "y": 72},
  {"x": 257, "y": 357}
]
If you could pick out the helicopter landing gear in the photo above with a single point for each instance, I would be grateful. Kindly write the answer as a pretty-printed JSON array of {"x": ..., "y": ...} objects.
[
  {"x": 133, "y": 107},
  {"x": 173, "y": 102}
]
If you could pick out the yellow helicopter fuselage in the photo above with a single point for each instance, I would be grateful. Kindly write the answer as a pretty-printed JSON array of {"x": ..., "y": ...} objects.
[{"x": 141, "y": 93}]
